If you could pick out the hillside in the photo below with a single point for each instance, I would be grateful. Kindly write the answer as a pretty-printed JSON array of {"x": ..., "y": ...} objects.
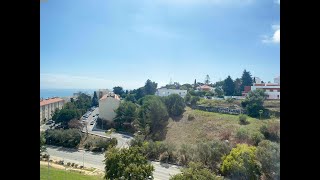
[{"x": 206, "y": 126}]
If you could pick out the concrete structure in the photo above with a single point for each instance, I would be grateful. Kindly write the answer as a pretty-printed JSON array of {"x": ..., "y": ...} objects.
[
  {"x": 205, "y": 88},
  {"x": 102, "y": 92},
  {"x": 48, "y": 106},
  {"x": 167, "y": 92},
  {"x": 271, "y": 89},
  {"x": 107, "y": 105}
]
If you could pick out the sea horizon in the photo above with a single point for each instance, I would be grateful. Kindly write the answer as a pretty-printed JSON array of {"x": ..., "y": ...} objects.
[{"x": 51, "y": 92}]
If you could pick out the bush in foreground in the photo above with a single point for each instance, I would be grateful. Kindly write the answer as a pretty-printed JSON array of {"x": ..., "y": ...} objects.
[
  {"x": 241, "y": 163},
  {"x": 243, "y": 119},
  {"x": 195, "y": 171},
  {"x": 127, "y": 164}
]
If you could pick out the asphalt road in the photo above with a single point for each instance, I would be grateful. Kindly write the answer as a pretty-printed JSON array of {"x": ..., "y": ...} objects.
[
  {"x": 123, "y": 140},
  {"x": 90, "y": 159}
]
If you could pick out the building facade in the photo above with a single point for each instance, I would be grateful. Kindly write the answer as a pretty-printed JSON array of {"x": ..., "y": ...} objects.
[
  {"x": 101, "y": 92},
  {"x": 48, "y": 106},
  {"x": 107, "y": 106},
  {"x": 167, "y": 92},
  {"x": 271, "y": 89}
]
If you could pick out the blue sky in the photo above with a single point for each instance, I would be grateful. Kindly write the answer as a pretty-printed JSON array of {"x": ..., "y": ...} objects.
[{"x": 105, "y": 43}]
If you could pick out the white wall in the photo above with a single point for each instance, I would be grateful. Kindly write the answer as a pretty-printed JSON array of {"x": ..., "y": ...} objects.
[
  {"x": 167, "y": 92},
  {"x": 107, "y": 107}
]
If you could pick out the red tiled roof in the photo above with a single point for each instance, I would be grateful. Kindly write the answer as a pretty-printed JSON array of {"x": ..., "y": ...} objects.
[
  {"x": 50, "y": 101},
  {"x": 205, "y": 87}
]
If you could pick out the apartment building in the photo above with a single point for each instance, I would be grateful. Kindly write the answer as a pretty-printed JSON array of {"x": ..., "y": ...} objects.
[
  {"x": 107, "y": 106},
  {"x": 48, "y": 106}
]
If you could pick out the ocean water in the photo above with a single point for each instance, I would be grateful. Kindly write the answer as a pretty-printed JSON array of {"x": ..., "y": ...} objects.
[{"x": 46, "y": 93}]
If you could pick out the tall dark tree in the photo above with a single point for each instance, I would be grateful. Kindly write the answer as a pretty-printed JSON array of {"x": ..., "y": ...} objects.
[
  {"x": 95, "y": 100},
  {"x": 195, "y": 83},
  {"x": 140, "y": 93},
  {"x": 254, "y": 80},
  {"x": 228, "y": 86},
  {"x": 150, "y": 87},
  {"x": 152, "y": 116},
  {"x": 246, "y": 79},
  {"x": 237, "y": 84},
  {"x": 254, "y": 102},
  {"x": 175, "y": 104},
  {"x": 118, "y": 90},
  {"x": 125, "y": 113},
  {"x": 207, "y": 79},
  {"x": 130, "y": 97}
]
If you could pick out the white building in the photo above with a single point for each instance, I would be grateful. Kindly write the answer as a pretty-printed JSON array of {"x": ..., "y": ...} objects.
[
  {"x": 257, "y": 79},
  {"x": 48, "y": 106},
  {"x": 277, "y": 80},
  {"x": 107, "y": 106},
  {"x": 167, "y": 92},
  {"x": 271, "y": 89}
]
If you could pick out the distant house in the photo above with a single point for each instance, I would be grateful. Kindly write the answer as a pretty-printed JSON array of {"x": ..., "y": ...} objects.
[
  {"x": 48, "y": 106},
  {"x": 167, "y": 92},
  {"x": 205, "y": 88},
  {"x": 271, "y": 89},
  {"x": 107, "y": 106}
]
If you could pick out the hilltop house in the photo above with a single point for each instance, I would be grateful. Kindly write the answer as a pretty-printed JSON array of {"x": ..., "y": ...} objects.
[
  {"x": 107, "y": 106},
  {"x": 271, "y": 89},
  {"x": 167, "y": 92}
]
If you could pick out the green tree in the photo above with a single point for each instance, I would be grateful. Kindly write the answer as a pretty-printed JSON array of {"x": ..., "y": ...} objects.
[
  {"x": 125, "y": 113},
  {"x": 195, "y": 84},
  {"x": 127, "y": 163},
  {"x": 237, "y": 84},
  {"x": 246, "y": 79},
  {"x": 195, "y": 171},
  {"x": 241, "y": 163},
  {"x": 254, "y": 102},
  {"x": 95, "y": 100},
  {"x": 207, "y": 79},
  {"x": 152, "y": 116},
  {"x": 228, "y": 86},
  {"x": 175, "y": 104},
  {"x": 140, "y": 93},
  {"x": 118, "y": 90},
  {"x": 268, "y": 154},
  {"x": 187, "y": 98},
  {"x": 194, "y": 100},
  {"x": 210, "y": 153},
  {"x": 219, "y": 92},
  {"x": 42, "y": 142},
  {"x": 131, "y": 98},
  {"x": 150, "y": 87}
]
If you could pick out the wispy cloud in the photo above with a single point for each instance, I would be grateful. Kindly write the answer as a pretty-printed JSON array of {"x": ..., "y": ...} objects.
[{"x": 275, "y": 38}]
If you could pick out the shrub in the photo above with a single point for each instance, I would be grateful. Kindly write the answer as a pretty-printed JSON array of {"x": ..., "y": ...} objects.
[
  {"x": 271, "y": 131},
  {"x": 190, "y": 117},
  {"x": 256, "y": 138},
  {"x": 67, "y": 138},
  {"x": 268, "y": 154},
  {"x": 243, "y": 119},
  {"x": 175, "y": 104},
  {"x": 241, "y": 163},
  {"x": 164, "y": 157},
  {"x": 76, "y": 165},
  {"x": 243, "y": 135},
  {"x": 68, "y": 163}
]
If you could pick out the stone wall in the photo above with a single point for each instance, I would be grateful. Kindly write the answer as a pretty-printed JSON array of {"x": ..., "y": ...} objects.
[{"x": 224, "y": 110}]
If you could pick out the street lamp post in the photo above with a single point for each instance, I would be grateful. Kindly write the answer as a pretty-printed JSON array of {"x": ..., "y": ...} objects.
[{"x": 260, "y": 112}]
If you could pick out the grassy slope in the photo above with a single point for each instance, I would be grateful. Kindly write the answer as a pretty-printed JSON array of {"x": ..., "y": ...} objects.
[
  {"x": 58, "y": 174},
  {"x": 205, "y": 127}
]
